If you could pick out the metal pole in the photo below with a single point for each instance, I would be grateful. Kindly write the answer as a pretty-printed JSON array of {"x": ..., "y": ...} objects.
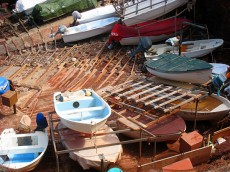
[{"x": 197, "y": 100}]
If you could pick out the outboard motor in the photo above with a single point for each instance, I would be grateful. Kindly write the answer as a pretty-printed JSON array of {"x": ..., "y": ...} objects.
[
  {"x": 143, "y": 45},
  {"x": 41, "y": 122},
  {"x": 61, "y": 30}
]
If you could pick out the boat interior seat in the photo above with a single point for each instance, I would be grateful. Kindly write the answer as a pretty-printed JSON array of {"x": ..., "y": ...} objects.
[{"x": 69, "y": 112}]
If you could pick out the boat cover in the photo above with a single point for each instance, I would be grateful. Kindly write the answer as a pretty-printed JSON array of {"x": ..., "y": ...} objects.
[
  {"x": 175, "y": 63},
  {"x": 55, "y": 8},
  {"x": 4, "y": 85},
  {"x": 152, "y": 28}
]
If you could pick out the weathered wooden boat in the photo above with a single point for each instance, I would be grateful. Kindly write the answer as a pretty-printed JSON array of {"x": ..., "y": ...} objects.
[
  {"x": 178, "y": 68},
  {"x": 84, "y": 110},
  {"x": 135, "y": 12},
  {"x": 156, "y": 30},
  {"x": 26, "y": 7},
  {"x": 197, "y": 48},
  {"x": 88, "y": 30},
  {"x": 92, "y": 150},
  {"x": 210, "y": 107},
  {"x": 22, "y": 152},
  {"x": 97, "y": 14}
]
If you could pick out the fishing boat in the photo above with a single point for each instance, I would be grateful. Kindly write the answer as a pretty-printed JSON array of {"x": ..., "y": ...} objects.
[
  {"x": 156, "y": 30},
  {"x": 88, "y": 30},
  {"x": 193, "y": 49},
  {"x": 92, "y": 150},
  {"x": 83, "y": 111},
  {"x": 22, "y": 152},
  {"x": 178, "y": 68},
  {"x": 135, "y": 12},
  {"x": 210, "y": 107},
  {"x": 97, "y": 14}
]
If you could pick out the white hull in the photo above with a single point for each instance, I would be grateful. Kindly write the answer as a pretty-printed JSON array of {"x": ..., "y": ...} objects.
[
  {"x": 10, "y": 147},
  {"x": 146, "y": 12},
  {"x": 89, "y": 116},
  {"x": 26, "y": 6},
  {"x": 216, "y": 114},
  {"x": 89, "y": 158},
  {"x": 135, "y": 40},
  {"x": 88, "y": 30},
  {"x": 199, "y": 76},
  {"x": 97, "y": 14},
  {"x": 193, "y": 49}
]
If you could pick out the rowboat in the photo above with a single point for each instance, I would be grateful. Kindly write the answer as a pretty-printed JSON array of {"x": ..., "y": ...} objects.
[
  {"x": 92, "y": 150},
  {"x": 135, "y": 12},
  {"x": 178, "y": 68},
  {"x": 83, "y": 111},
  {"x": 156, "y": 30},
  {"x": 97, "y": 14},
  {"x": 88, "y": 30},
  {"x": 210, "y": 107},
  {"x": 22, "y": 152},
  {"x": 193, "y": 49}
]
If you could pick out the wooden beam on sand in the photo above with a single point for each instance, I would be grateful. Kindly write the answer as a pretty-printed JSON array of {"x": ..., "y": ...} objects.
[{"x": 18, "y": 71}]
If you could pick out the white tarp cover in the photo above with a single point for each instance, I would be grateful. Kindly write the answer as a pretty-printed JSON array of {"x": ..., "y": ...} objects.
[
  {"x": 23, "y": 5},
  {"x": 89, "y": 158}
]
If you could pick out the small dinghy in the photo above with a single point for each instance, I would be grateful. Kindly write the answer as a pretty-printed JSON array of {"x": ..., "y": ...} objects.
[
  {"x": 22, "y": 152},
  {"x": 178, "y": 68},
  {"x": 193, "y": 49},
  {"x": 83, "y": 111}
]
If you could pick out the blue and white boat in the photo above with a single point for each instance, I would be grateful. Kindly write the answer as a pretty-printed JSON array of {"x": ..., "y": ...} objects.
[
  {"x": 83, "y": 111},
  {"x": 22, "y": 152},
  {"x": 4, "y": 85},
  {"x": 88, "y": 30}
]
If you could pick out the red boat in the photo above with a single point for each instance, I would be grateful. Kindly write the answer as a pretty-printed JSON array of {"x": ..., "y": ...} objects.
[{"x": 156, "y": 30}]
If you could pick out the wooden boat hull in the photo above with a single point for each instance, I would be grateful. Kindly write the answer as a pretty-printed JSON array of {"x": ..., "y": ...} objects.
[
  {"x": 212, "y": 108},
  {"x": 147, "y": 12},
  {"x": 88, "y": 117},
  {"x": 170, "y": 130},
  {"x": 193, "y": 49},
  {"x": 24, "y": 164},
  {"x": 88, "y": 30},
  {"x": 89, "y": 158}
]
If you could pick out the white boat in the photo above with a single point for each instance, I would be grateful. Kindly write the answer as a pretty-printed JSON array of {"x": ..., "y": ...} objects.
[
  {"x": 145, "y": 10},
  {"x": 22, "y": 152},
  {"x": 178, "y": 68},
  {"x": 91, "y": 158},
  {"x": 193, "y": 49},
  {"x": 211, "y": 107},
  {"x": 219, "y": 68},
  {"x": 97, "y": 14},
  {"x": 25, "y": 6},
  {"x": 83, "y": 111},
  {"x": 88, "y": 30}
]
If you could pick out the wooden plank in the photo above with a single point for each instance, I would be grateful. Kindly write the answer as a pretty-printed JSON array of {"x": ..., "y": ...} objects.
[
  {"x": 144, "y": 91},
  {"x": 171, "y": 100},
  {"x": 220, "y": 133},
  {"x": 128, "y": 123},
  {"x": 153, "y": 94},
  {"x": 135, "y": 89},
  {"x": 16, "y": 73}
]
